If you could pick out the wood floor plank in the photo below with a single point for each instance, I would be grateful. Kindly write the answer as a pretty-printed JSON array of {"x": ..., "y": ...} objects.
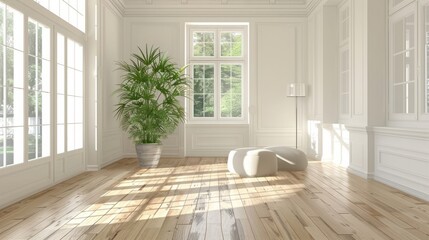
[{"x": 197, "y": 198}]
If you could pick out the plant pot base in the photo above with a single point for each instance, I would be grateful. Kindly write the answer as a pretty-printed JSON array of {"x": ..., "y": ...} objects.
[{"x": 148, "y": 155}]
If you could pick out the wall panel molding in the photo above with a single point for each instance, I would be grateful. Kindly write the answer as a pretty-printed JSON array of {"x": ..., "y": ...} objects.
[
  {"x": 26, "y": 182},
  {"x": 215, "y": 140},
  {"x": 401, "y": 159}
]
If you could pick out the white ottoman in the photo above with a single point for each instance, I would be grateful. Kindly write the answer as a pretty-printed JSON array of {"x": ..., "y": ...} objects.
[
  {"x": 252, "y": 162},
  {"x": 289, "y": 159},
  {"x": 260, "y": 162},
  {"x": 235, "y": 160}
]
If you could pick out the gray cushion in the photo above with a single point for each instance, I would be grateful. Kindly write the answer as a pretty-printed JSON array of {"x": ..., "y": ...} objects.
[{"x": 289, "y": 159}]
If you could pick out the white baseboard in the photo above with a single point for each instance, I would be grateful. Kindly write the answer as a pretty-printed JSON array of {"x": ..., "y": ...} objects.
[
  {"x": 92, "y": 168},
  {"x": 360, "y": 173},
  {"x": 411, "y": 191}
]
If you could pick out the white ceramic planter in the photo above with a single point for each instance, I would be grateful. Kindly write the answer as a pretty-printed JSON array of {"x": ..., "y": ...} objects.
[{"x": 149, "y": 154}]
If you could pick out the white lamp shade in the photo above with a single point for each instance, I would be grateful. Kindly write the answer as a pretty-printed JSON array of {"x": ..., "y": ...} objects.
[{"x": 296, "y": 90}]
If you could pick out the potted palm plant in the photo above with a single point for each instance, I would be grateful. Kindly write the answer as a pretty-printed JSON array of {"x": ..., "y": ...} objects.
[{"x": 149, "y": 108}]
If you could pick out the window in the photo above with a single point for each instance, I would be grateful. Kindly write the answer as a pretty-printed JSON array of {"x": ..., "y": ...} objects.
[
  {"x": 26, "y": 92},
  {"x": 11, "y": 86},
  {"x": 218, "y": 67},
  {"x": 345, "y": 72},
  {"x": 426, "y": 60},
  {"x": 61, "y": 99},
  {"x": 74, "y": 94},
  {"x": 72, "y": 11},
  {"x": 39, "y": 90},
  {"x": 403, "y": 77},
  {"x": 69, "y": 95}
]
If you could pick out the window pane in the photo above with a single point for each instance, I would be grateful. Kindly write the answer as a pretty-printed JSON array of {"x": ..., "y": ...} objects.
[
  {"x": 60, "y": 49},
  {"x": 198, "y": 105},
  {"x": 231, "y": 44},
  {"x": 60, "y": 79},
  {"x": 39, "y": 87},
  {"x": 409, "y": 66},
  {"x": 203, "y": 43},
  {"x": 209, "y": 105},
  {"x": 203, "y": 90},
  {"x": 409, "y": 31},
  {"x": 398, "y": 36},
  {"x": 426, "y": 82},
  {"x": 398, "y": 63},
  {"x": 231, "y": 90},
  {"x": 74, "y": 82},
  {"x": 2, "y": 34},
  {"x": 32, "y": 44},
  {"x": 78, "y": 116},
  {"x": 404, "y": 98},
  {"x": 14, "y": 29},
  {"x": 33, "y": 137},
  {"x": 72, "y": 11},
  {"x": 70, "y": 81}
]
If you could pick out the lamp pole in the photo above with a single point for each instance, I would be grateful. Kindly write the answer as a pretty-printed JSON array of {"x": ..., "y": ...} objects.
[
  {"x": 296, "y": 90},
  {"x": 296, "y": 122}
]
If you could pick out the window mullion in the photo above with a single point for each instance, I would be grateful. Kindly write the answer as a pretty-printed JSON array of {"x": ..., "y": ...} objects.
[
  {"x": 25, "y": 90},
  {"x": 217, "y": 86},
  {"x": 66, "y": 94},
  {"x": 4, "y": 90}
]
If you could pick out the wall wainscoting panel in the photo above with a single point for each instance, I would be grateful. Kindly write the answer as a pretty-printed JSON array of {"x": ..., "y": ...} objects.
[
  {"x": 401, "y": 160},
  {"x": 112, "y": 147},
  {"x": 35, "y": 177},
  {"x": 284, "y": 138},
  {"x": 361, "y": 163},
  {"x": 69, "y": 165},
  {"x": 215, "y": 140}
]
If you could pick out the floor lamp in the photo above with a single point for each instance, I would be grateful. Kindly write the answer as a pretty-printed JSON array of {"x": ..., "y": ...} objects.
[{"x": 296, "y": 90}]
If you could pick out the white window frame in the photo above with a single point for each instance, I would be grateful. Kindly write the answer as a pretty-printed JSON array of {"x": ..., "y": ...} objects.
[
  {"x": 345, "y": 45},
  {"x": 49, "y": 20},
  {"x": 395, "y": 7},
  {"x": 422, "y": 87},
  {"x": 392, "y": 116},
  {"x": 217, "y": 61}
]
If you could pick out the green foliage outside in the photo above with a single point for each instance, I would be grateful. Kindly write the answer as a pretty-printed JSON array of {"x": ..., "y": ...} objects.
[{"x": 149, "y": 108}]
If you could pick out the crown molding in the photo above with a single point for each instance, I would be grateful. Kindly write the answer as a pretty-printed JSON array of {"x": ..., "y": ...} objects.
[
  {"x": 215, "y": 11},
  {"x": 215, "y": 8},
  {"x": 119, "y": 6},
  {"x": 312, "y": 5}
]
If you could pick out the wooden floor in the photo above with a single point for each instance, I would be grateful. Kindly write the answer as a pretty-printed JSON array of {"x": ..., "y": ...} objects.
[{"x": 197, "y": 198}]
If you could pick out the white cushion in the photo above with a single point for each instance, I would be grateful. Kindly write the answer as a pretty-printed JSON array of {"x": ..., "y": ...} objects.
[
  {"x": 252, "y": 162},
  {"x": 289, "y": 159}
]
